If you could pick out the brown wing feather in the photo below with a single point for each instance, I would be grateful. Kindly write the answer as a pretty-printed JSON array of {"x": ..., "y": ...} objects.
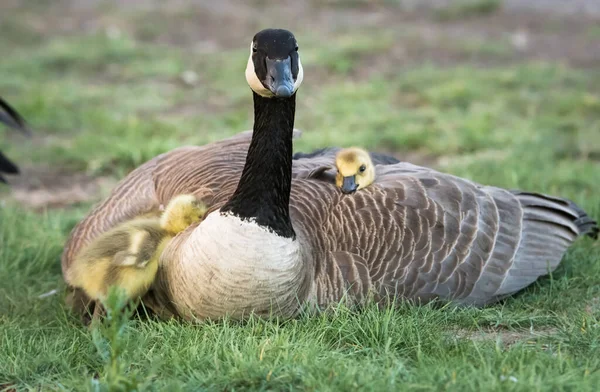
[{"x": 424, "y": 234}]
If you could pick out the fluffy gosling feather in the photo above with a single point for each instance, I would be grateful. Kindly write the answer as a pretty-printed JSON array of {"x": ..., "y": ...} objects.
[
  {"x": 355, "y": 170},
  {"x": 127, "y": 256},
  {"x": 181, "y": 212}
]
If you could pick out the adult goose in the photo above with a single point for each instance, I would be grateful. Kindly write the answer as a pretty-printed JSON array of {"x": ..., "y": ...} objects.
[
  {"x": 276, "y": 239},
  {"x": 12, "y": 119}
]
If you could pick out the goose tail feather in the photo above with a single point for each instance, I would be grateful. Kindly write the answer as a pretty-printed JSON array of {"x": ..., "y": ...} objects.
[
  {"x": 550, "y": 226},
  {"x": 584, "y": 222},
  {"x": 557, "y": 210}
]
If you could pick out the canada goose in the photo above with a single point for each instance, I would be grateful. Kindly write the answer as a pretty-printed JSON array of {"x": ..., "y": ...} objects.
[
  {"x": 127, "y": 255},
  {"x": 276, "y": 239},
  {"x": 12, "y": 119}
]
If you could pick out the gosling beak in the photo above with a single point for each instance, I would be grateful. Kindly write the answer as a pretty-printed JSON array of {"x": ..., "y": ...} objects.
[
  {"x": 279, "y": 77},
  {"x": 349, "y": 185}
]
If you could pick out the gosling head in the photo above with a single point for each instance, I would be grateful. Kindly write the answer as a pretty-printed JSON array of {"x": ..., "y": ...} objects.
[
  {"x": 355, "y": 170},
  {"x": 274, "y": 68},
  {"x": 182, "y": 211}
]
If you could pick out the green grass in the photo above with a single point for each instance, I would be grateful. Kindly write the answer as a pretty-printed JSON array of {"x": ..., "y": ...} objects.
[
  {"x": 421, "y": 348},
  {"x": 103, "y": 105}
]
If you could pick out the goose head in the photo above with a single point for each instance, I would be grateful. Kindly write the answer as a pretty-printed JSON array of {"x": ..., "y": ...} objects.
[
  {"x": 355, "y": 170},
  {"x": 274, "y": 68}
]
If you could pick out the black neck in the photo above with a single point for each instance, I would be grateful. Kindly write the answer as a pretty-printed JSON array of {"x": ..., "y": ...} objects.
[{"x": 263, "y": 192}]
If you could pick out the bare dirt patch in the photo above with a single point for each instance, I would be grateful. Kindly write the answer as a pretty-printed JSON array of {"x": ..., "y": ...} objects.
[
  {"x": 39, "y": 188},
  {"x": 506, "y": 337},
  {"x": 593, "y": 307}
]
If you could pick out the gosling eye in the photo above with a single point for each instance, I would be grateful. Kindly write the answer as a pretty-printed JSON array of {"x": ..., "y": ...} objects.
[{"x": 362, "y": 168}]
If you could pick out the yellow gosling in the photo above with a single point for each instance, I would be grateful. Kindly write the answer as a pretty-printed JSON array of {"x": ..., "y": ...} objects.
[
  {"x": 355, "y": 170},
  {"x": 127, "y": 256}
]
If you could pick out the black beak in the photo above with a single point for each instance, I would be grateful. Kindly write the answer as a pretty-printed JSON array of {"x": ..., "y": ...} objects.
[
  {"x": 349, "y": 185},
  {"x": 279, "y": 77}
]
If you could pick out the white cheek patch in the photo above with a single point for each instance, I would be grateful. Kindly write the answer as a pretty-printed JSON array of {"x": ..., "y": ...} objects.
[
  {"x": 253, "y": 81},
  {"x": 257, "y": 86},
  {"x": 300, "y": 76}
]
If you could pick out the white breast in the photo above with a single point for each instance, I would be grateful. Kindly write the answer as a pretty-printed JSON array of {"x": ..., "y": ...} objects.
[{"x": 233, "y": 267}]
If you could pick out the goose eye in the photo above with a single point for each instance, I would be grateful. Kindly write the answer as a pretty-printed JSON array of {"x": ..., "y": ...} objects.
[
  {"x": 362, "y": 168},
  {"x": 296, "y": 48},
  {"x": 254, "y": 48}
]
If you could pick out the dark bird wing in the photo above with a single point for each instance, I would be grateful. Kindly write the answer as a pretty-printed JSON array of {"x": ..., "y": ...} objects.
[{"x": 13, "y": 120}]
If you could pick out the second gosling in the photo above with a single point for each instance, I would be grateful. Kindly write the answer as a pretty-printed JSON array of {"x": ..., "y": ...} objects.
[{"x": 127, "y": 256}]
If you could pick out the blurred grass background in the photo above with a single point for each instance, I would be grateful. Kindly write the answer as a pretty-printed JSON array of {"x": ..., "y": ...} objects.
[{"x": 505, "y": 93}]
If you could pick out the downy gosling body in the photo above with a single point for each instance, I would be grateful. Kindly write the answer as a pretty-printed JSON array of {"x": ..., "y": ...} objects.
[
  {"x": 355, "y": 169},
  {"x": 127, "y": 256}
]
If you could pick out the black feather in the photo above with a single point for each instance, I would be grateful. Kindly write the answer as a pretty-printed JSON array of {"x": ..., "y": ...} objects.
[
  {"x": 584, "y": 222},
  {"x": 315, "y": 153},
  {"x": 13, "y": 120},
  {"x": 6, "y": 166},
  {"x": 567, "y": 209},
  {"x": 376, "y": 157},
  {"x": 10, "y": 117},
  {"x": 382, "y": 159}
]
